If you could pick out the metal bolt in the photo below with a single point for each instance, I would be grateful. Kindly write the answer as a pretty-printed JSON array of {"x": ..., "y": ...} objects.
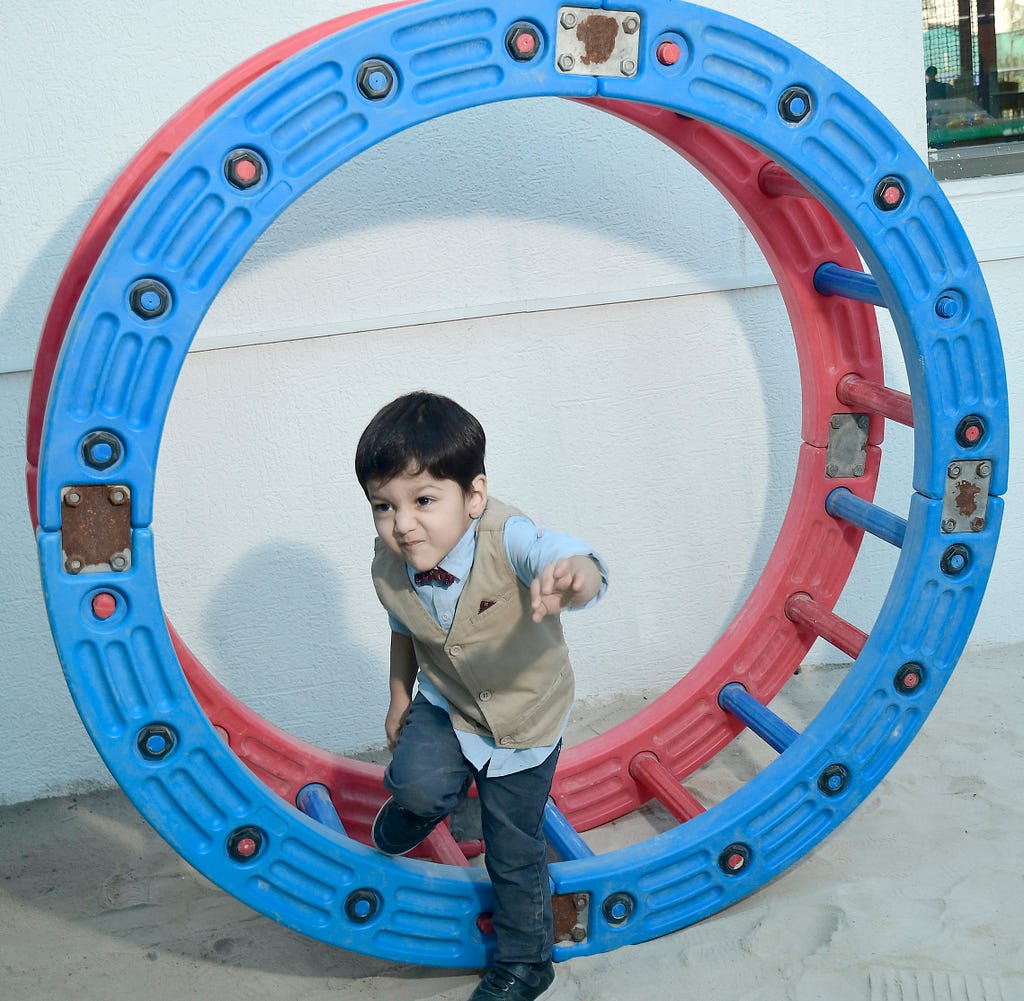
[
  {"x": 579, "y": 933},
  {"x": 831, "y": 469},
  {"x": 628, "y": 67},
  {"x": 119, "y": 561},
  {"x": 566, "y": 62},
  {"x": 836, "y": 422},
  {"x": 795, "y": 105},
  {"x": 74, "y": 565},
  {"x": 977, "y": 524},
  {"x": 889, "y": 193},
  {"x": 579, "y": 901},
  {"x": 72, "y": 498},
  {"x": 984, "y": 469},
  {"x": 953, "y": 471},
  {"x": 858, "y": 470},
  {"x": 244, "y": 168},
  {"x": 568, "y": 19},
  {"x": 949, "y": 525},
  {"x": 117, "y": 497},
  {"x": 149, "y": 299},
  {"x": 522, "y": 42},
  {"x": 375, "y": 79},
  {"x": 630, "y": 25}
]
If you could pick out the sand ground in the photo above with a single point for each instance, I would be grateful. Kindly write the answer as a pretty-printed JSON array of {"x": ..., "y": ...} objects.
[{"x": 918, "y": 897}]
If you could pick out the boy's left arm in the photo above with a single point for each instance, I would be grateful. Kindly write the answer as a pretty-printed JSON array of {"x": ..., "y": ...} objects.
[{"x": 570, "y": 582}]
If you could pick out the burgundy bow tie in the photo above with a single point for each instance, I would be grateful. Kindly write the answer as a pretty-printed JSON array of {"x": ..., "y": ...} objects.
[{"x": 435, "y": 576}]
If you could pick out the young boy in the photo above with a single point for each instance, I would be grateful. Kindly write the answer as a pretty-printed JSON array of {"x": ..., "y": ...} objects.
[{"x": 473, "y": 590}]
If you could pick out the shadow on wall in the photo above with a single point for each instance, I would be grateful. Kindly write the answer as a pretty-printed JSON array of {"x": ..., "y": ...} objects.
[{"x": 279, "y": 640}]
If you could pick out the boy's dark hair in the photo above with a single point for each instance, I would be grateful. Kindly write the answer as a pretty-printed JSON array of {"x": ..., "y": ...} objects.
[{"x": 421, "y": 431}]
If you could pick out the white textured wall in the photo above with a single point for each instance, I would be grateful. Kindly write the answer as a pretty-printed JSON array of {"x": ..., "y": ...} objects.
[{"x": 581, "y": 290}]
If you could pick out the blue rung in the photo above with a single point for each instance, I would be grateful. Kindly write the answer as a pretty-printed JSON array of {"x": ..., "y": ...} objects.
[
  {"x": 735, "y": 699},
  {"x": 844, "y": 503},
  {"x": 832, "y": 279},
  {"x": 315, "y": 801},
  {"x": 562, "y": 836}
]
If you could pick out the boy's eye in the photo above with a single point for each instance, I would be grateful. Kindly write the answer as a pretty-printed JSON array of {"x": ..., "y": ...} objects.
[
  {"x": 424, "y": 501},
  {"x": 381, "y": 507}
]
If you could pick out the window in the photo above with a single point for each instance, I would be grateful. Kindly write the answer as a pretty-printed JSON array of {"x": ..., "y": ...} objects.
[{"x": 974, "y": 86}]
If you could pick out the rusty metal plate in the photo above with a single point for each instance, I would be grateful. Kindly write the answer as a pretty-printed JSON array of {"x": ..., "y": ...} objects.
[
  {"x": 847, "y": 446},
  {"x": 592, "y": 42},
  {"x": 571, "y": 913},
  {"x": 965, "y": 503},
  {"x": 96, "y": 528}
]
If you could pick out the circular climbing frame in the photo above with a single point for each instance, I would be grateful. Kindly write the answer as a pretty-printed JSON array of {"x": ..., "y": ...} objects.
[{"x": 821, "y": 179}]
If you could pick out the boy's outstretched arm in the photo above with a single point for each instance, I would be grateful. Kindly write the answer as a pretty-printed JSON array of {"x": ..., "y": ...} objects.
[
  {"x": 567, "y": 583},
  {"x": 402, "y": 675}
]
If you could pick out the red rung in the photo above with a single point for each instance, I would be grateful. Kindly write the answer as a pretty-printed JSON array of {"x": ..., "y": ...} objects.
[
  {"x": 656, "y": 779},
  {"x": 857, "y": 392},
  {"x": 805, "y": 611},
  {"x": 775, "y": 181},
  {"x": 442, "y": 847}
]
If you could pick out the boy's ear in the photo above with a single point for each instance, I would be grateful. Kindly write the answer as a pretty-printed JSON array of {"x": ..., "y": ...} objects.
[{"x": 477, "y": 496}]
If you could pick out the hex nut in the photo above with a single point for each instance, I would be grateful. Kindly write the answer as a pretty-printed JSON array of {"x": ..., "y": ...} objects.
[
  {"x": 244, "y": 169},
  {"x": 795, "y": 104},
  {"x": 522, "y": 42},
  {"x": 149, "y": 298},
  {"x": 375, "y": 79}
]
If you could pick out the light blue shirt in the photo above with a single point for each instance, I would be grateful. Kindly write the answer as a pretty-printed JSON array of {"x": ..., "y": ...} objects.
[{"x": 529, "y": 550}]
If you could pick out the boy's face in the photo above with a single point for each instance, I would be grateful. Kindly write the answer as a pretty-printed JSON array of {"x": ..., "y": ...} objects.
[{"x": 420, "y": 518}]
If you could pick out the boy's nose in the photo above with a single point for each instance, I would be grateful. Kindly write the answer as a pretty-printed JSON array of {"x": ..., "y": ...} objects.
[{"x": 404, "y": 521}]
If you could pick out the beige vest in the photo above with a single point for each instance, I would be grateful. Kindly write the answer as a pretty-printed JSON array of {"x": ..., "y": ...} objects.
[{"x": 504, "y": 676}]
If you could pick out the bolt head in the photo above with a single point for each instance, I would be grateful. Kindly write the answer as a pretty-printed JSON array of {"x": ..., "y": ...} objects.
[
  {"x": 630, "y": 25},
  {"x": 566, "y": 62},
  {"x": 579, "y": 933},
  {"x": 72, "y": 498},
  {"x": 117, "y": 496},
  {"x": 953, "y": 471},
  {"x": 890, "y": 193},
  {"x": 795, "y": 105},
  {"x": 149, "y": 299},
  {"x": 244, "y": 169},
  {"x": 984, "y": 469},
  {"x": 522, "y": 42},
  {"x": 568, "y": 19},
  {"x": 375, "y": 79},
  {"x": 669, "y": 53}
]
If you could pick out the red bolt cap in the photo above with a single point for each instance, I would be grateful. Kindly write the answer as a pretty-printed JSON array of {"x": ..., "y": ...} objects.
[
  {"x": 526, "y": 43},
  {"x": 245, "y": 847},
  {"x": 669, "y": 53},
  {"x": 104, "y": 605},
  {"x": 244, "y": 170}
]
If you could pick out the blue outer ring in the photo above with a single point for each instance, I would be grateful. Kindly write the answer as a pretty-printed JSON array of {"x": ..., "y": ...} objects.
[{"x": 190, "y": 228}]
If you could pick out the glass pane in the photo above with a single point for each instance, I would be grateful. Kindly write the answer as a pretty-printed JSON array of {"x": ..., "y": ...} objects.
[{"x": 974, "y": 86}]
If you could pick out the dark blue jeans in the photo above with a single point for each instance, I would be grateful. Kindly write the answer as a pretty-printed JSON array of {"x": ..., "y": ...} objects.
[{"x": 429, "y": 776}]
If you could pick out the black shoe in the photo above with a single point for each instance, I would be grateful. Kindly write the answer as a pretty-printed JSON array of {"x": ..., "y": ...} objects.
[
  {"x": 515, "y": 982},
  {"x": 396, "y": 831}
]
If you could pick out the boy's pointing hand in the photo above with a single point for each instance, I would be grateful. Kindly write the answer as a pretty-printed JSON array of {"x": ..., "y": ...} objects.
[{"x": 567, "y": 583}]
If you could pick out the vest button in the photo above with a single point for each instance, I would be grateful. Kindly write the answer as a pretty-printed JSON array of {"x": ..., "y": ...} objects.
[
  {"x": 455, "y": 651},
  {"x": 484, "y": 696},
  {"x": 505, "y": 741}
]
